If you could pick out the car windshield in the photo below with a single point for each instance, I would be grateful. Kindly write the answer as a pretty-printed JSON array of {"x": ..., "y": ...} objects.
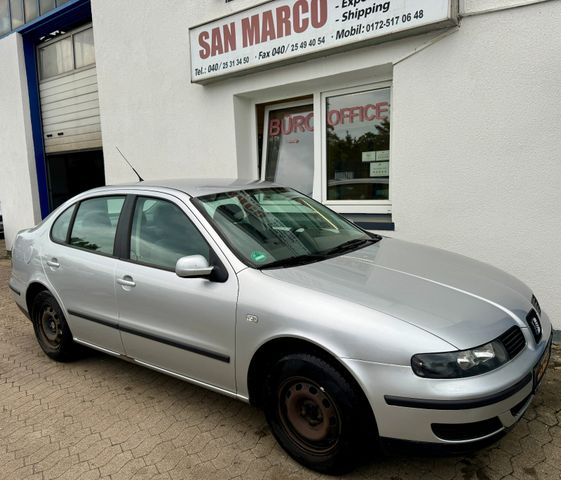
[{"x": 278, "y": 227}]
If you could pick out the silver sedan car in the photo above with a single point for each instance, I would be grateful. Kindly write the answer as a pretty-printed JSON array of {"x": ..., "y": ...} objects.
[{"x": 346, "y": 339}]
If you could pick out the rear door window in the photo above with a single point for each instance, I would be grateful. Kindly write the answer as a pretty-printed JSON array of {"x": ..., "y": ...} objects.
[{"x": 96, "y": 223}]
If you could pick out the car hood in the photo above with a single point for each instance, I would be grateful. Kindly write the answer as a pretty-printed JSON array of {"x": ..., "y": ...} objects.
[{"x": 462, "y": 301}]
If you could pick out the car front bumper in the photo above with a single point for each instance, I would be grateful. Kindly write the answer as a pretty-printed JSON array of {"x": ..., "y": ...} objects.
[{"x": 454, "y": 412}]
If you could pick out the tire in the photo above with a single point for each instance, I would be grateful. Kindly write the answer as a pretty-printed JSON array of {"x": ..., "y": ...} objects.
[
  {"x": 317, "y": 415},
  {"x": 52, "y": 331}
]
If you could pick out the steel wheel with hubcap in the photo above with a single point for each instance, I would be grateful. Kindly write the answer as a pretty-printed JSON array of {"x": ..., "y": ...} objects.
[
  {"x": 317, "y": 414},
  {"x": 50, "y": 326},
  {"x": 309, "y": 415}
]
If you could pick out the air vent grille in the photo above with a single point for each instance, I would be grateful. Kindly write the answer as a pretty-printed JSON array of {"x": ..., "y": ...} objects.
[{"x": 513, "y": 341}]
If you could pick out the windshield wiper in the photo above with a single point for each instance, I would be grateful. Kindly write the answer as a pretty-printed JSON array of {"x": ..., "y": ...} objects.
[
  {"x": 350, "y": 245},
  {"x": 294, "y": 261},
  {"x": 310, "y": 258}
]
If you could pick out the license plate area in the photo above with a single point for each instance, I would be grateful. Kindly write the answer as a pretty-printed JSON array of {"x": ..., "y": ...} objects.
[{"x": 541, "y": 366}]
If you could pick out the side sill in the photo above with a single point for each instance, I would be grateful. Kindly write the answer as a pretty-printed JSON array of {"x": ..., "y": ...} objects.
[
  {"x": 209, "y": 386},
  {"x": 95, "y": 347},
  {"x": 164, "y": 371}
]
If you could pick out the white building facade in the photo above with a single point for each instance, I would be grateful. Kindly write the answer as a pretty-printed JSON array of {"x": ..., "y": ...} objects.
[{"x": 435, "y": 121}]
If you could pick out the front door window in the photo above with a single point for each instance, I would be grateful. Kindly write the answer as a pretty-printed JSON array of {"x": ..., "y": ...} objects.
[{"x": 161, "y": 234}]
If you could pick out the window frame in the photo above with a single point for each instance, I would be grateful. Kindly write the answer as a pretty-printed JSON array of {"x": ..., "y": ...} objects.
[
  {"x": 56, "y": 40},
  {"x": 70, "y": 224},
  {"x": 76, "y": 206}
]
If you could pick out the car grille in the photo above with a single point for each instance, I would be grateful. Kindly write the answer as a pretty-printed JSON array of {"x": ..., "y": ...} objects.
[
  {"x": 513, "y": 341},
  {"x": 536, "y": 305}
]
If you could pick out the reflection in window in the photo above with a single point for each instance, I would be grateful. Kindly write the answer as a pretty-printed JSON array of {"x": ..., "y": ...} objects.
[
  {"x": 46, "y": 5},
  {"x": 358, "y": 145},
  {"x": 14, "y": 13},
  {"x": 17, "y": 13},
  {"x": 290, "y": 148},
  {"x": 84, "y": 48},
  {"x": 96, "y": 223},
  {"x": 274, "y": 224},
  {"x": 4, "y": 17},
  {"x": 31, "y": 10},
  {"x": 56, "y": 58},
  {"x": 162, "y": 234}
]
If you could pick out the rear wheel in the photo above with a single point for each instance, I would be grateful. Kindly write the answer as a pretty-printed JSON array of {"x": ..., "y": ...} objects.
[
  {"x": 52, "y": 331},
  {"x": 317, "y": 415}
]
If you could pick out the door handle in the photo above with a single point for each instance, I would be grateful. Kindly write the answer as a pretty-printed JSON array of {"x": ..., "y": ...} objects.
[
  {"x": 126, "y": 281},
  {"x": 53, "y": 263}
]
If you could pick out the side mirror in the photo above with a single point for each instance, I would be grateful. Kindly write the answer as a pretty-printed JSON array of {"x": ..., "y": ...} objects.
[{"x": 193, "y": 266}]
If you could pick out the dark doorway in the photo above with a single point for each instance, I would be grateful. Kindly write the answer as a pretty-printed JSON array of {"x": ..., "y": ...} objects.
[{"x": 69, "y": 174}]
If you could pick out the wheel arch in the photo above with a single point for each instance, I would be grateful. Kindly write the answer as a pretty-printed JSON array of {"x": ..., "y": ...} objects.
[
  {"x": 276, "y": 348},
  {"x": 32, "y": 291}
]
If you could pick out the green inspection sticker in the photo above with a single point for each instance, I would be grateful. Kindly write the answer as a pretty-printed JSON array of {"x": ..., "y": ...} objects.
[{"x": 258, "y": 256}]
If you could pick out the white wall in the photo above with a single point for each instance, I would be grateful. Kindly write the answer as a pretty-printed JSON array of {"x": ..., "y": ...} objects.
[
  {"x": 475, "y": 7},
  {"x": 477, "y": 144},
  {"x": 18, "y": 181},
  {"x": 164, "y": 125}
]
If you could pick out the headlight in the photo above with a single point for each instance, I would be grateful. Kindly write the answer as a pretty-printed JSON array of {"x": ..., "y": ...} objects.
[{"x": 463, "y": 363}]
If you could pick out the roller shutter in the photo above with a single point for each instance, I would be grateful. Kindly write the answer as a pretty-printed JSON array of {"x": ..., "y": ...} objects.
[{"x": 69, "y": 97}]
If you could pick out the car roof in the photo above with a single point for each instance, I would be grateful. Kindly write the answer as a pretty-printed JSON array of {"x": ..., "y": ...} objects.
[{"x": 196, "y": 187}]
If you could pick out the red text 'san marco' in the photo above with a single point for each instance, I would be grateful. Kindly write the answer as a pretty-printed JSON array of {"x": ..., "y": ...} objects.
[{"x": 265, "y": 26}]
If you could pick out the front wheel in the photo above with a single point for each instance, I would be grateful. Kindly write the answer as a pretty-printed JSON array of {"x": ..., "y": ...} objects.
[
  {"x": 52, "y": 331},
  {"x": 317, "y": 415}
]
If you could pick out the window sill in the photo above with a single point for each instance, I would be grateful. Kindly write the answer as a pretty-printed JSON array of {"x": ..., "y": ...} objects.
[{"x": 371, "y": 221}]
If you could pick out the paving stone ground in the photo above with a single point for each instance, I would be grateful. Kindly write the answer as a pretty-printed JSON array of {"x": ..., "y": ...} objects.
[{"x": 103, "y": 418}]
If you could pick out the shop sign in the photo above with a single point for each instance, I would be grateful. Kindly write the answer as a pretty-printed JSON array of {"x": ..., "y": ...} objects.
[{"x": 282, "y": 31}]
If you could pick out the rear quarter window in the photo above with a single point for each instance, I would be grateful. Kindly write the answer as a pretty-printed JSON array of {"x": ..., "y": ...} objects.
[{"x": 59, "y": 230}]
